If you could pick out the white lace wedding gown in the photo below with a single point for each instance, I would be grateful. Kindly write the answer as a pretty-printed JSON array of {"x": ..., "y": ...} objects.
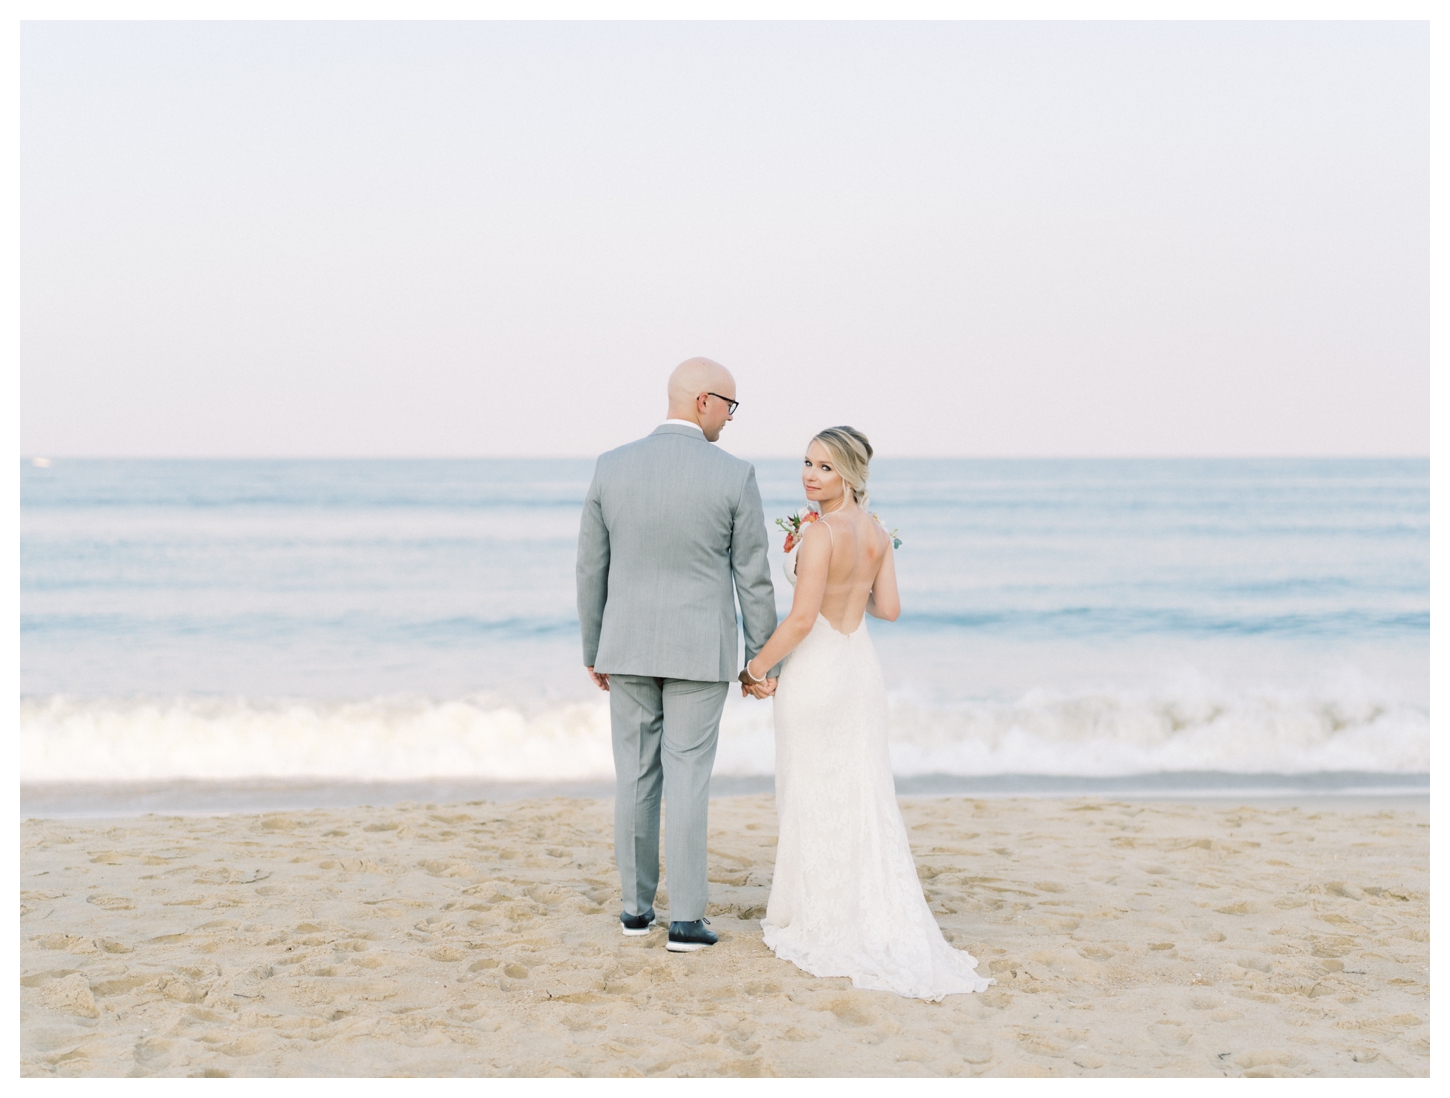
[{"x": 846, "y": 900}]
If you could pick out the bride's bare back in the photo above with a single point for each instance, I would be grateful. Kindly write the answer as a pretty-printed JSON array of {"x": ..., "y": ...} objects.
[{"x": 859, "y": 552}]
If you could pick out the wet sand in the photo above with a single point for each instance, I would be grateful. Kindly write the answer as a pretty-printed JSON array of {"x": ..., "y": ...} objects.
[{"x": 1127, "y": 938}]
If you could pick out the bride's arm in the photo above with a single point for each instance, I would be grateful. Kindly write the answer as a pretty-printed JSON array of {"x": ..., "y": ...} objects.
[
  {"x": 813, "y": 560},
  {"x": 885, "y": 601}
]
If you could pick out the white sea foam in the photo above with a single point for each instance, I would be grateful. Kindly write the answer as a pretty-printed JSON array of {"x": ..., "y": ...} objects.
[{"x": 1084, "y": 734}]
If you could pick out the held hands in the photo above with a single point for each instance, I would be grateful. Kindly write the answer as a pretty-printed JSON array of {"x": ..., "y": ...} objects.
[{"x": 759, "y": 689}]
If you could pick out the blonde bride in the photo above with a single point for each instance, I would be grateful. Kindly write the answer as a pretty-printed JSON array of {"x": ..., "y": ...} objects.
[{"x": 845, "y": 900}]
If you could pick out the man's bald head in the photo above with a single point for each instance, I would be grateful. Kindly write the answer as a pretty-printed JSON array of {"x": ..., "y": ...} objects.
[
  {"x": 695, "y": 376},
  {"x": 695, "y": 389}
]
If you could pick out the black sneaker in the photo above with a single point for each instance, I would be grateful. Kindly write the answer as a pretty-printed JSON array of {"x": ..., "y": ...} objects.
[
  {"x": 688, "y": 937},
  {"x": 635, "y": 925}
]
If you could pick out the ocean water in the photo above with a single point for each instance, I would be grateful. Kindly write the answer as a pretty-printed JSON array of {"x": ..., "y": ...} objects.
[{"x": 1090, "y": 624}]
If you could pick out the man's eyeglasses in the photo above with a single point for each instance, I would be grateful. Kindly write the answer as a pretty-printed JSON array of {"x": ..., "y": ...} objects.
[{"x": 733, "y": 403}]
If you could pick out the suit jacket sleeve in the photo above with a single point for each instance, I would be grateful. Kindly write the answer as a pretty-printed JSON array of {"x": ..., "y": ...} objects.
[
  {"x": 591, "y": 571},
  {"x": 752, "y": 570}
]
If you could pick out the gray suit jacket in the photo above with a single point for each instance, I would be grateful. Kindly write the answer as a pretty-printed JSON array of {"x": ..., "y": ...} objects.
[{"x": 669, "y": 522}]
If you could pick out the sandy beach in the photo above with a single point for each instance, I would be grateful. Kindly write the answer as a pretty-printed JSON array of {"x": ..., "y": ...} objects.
[{"x": 1201, "y": 938}]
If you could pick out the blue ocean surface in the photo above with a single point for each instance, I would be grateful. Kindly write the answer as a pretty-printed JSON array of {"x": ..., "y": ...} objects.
[{"x": 1076, "y": 620}]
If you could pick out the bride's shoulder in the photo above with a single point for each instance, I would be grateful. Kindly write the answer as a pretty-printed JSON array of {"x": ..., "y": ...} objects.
[{"x": 820, "y": 531}]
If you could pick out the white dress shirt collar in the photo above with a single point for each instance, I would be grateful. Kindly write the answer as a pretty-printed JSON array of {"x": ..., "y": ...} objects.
[{"x": 683, "y": 423}]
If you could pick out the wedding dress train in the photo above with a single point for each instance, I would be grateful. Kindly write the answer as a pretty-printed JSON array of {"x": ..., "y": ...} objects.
[{"x": 846, "y": 900}]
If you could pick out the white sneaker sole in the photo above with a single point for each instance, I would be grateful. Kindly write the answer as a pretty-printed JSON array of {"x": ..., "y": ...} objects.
[
  {"x": 637, "y": 933},
  {"x": 686, "y": 947}
]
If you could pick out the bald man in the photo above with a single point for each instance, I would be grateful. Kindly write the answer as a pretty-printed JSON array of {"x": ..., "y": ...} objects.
[{"x": 672, "y": 533}]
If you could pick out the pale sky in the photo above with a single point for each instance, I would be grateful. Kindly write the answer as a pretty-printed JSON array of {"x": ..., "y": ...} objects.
[{"x": 443, "y": 239}]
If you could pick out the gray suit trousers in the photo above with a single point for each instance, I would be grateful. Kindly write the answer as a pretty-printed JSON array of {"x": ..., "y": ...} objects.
[{"x": 665, "y": 731}]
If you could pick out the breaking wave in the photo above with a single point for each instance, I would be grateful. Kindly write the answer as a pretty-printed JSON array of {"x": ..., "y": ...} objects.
[{"x": 1086, "y": 734}]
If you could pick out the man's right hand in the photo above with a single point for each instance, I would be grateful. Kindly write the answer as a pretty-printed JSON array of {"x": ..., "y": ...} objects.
[{"x": 599, "y": 679}]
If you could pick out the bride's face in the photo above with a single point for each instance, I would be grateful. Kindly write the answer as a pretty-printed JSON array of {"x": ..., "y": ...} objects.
[{"x": 822, "y": 483}]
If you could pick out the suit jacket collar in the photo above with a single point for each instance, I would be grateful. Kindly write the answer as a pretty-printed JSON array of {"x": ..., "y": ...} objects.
[{"x": 679, "y": 429}]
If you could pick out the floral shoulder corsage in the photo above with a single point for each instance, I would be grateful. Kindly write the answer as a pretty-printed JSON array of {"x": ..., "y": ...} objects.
[{"x": 795, "y": 527}]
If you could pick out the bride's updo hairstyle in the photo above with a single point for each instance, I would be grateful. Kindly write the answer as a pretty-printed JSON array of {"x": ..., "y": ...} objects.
[{"x": 852, "y": 454}]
